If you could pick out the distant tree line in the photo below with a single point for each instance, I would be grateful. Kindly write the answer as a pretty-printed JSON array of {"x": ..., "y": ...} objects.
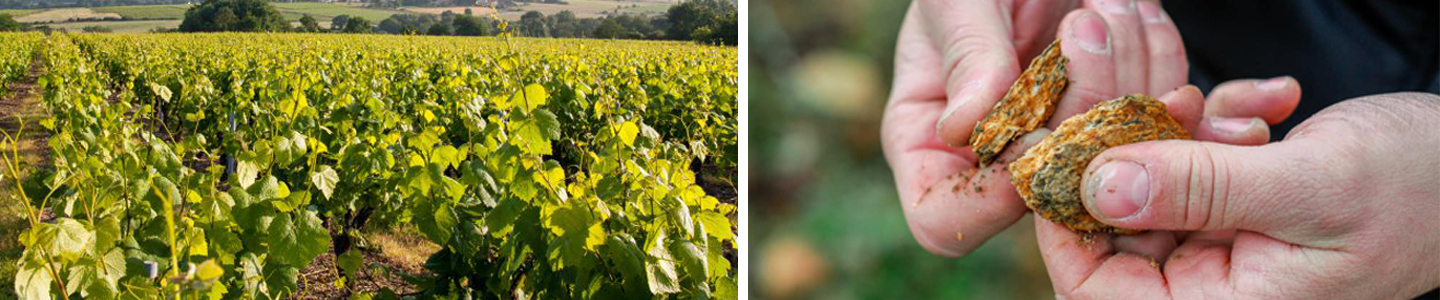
[
  {"x": 706, "y": 21},
  {"x": 8, "y": 23}
]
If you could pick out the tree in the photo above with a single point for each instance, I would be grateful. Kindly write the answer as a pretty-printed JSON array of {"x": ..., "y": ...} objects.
[
  {"x": 563, "y": 25},
  {"x": 704, "y": 16},
  {"x": 725, "y": 33},
  {"x": 309, "y": 24},
  {"x": 233, "y": 15},
  {"x": 96, "y": 28},
  {"x": 358, "y": 25},
  {"x": 406, "y": 23},
  {"x": 440, "y": 29},
  {"x": 8, "y": 24},
  {"x": 610, "y": 29},
  {"x": 225, "y": 19},
  {"x": 468, "y": 25},
  {"x": 338, "y": 23},
  {"x": 532, "y": 24}
]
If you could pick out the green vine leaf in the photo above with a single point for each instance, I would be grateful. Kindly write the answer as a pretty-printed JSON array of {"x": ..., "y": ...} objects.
[{"x": 325, "y": 180}]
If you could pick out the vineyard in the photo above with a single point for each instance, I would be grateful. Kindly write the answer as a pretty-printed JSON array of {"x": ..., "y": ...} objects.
[{"x": 219, "y": 166}]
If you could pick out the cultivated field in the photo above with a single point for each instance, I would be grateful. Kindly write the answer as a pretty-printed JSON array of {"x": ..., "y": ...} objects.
[
  {"x": 147, "y": 12},
  {"x": 141, "y": 26},
  {"x": 18, "y": 12},
  {"x": 64, "y": 14}
]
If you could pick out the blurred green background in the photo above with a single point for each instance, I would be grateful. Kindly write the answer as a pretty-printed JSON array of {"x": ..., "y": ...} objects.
[{"x": 825, "y": 219}]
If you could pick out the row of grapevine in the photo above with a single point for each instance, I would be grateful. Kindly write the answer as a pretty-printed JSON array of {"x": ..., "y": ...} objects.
[
  {"x": 15, "y": 55},
  {"x": 220, "y": 165}
]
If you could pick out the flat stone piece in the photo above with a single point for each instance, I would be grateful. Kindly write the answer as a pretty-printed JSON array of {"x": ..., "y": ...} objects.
[
  {"x": 1049, "y": 175},
  {"x": 1027, "y": 106}
]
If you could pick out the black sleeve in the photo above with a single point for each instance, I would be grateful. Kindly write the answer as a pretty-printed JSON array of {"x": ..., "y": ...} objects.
[{"x": 1336, "y": 49}]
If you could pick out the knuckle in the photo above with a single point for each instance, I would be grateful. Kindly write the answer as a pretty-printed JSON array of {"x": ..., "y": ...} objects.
[
  {"x": 1165, "y": 42},
  {"x": 1206, "y": 190},
  {"x": 967, "y": 52}
]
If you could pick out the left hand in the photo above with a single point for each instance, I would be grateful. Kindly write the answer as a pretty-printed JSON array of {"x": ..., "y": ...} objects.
[{"x": 1344, "y": 208}]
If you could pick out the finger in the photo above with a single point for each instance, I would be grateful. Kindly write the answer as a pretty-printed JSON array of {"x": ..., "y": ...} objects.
[
  {"x": 1168, "y": 67},
  {"x": 1186, "y": 104},
  {"x": 962, "y": 211},
  {"x": 919, "y": 159},
  {"x": 974, "y": 40},
  {"x": 1210, "y": 236},
  {"x": 1127, "y": 39},
  {"x": 1200, "y": 269},
  {"x": 1125, "y": 276},
  {"x": 1234, "y": 131},
  {"x": 1086, "y": 43},
  {"x": 1278, "y": 189},
  {"x": 1155, "y": 244},
  {"x": 1087, "y": 266},
  {"x": 1035, "y": 24},
  {"x": 1272, "y": 100},
  {"x": 1070, "y": 257}
]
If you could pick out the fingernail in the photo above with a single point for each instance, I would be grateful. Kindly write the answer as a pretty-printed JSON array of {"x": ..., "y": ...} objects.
[
  {"x": 1090, "y": 34},
  {"x": 1118, "y": 6},
  {"x": 1232, "y": 125},
  {"x": 1118, "y": 189},
  {"x": 1272, "y": 84},
  {"x": 946, "y": 115},
  {"x": 1150, "y": 12}
]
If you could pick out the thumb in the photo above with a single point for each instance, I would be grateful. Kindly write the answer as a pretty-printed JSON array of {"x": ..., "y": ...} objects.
[{"x": 1190, "y": 185}]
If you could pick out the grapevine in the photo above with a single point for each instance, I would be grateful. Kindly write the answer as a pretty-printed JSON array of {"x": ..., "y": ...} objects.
[{"x": 219, "y": 165}]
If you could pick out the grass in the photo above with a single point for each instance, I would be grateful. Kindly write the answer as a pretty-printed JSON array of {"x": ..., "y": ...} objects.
[
  {"x": 147, "y": 12},
  {"x": 120, "y": 26},
  {"x": 403, "y": 245},
  {"x": 64, "y": 14},
  {"x": 18, "y": 12},
  {"x": 12, "y": 223}
]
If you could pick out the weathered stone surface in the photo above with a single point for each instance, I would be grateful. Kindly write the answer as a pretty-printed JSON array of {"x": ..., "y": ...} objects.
[
  {"x": 1027, "y": 106},
  {"x": 1049, "y": 175}
]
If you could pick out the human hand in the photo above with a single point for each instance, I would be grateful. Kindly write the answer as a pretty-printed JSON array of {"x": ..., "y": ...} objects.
[
  {"x": 956, "y": 58},
  {"x": 1344, "y": 208}
]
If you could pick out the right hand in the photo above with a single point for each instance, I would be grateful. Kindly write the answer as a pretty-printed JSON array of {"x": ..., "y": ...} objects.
[{"x": 956, "y": 58}]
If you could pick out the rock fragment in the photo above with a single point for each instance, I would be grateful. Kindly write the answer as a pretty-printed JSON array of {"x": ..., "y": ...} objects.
[
  {"x": 1027, "y": 106},
  {"x": 1049, "y": 175}
]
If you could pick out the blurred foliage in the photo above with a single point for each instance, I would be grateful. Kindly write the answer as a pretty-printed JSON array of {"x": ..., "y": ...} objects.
[{"x": 825, "y": 219}]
